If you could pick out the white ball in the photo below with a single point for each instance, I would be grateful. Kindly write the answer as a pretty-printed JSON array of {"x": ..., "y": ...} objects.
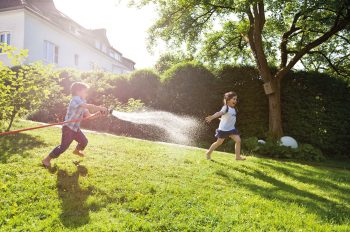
[
  {"x": 261, "y": 141},
  {"x": 288, "y": 141}
]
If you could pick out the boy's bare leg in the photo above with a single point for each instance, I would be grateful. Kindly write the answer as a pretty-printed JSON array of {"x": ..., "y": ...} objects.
[
  {"x": 213, "y": 147},
  {"x": 237, "y": 140}
]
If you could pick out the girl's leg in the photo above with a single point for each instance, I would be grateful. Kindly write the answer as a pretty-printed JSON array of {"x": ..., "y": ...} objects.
[
  {"x": 213, "y": 147},
  {"x": 237, "y": 140}
]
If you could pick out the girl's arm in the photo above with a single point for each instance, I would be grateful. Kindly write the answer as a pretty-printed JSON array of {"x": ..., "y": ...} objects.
[{"x": 216, "y": 115}]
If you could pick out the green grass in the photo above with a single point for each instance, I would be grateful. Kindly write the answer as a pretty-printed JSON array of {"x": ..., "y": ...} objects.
[{"x": 131, "y": 185}]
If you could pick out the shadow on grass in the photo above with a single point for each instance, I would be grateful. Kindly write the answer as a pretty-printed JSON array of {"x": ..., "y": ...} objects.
[
  {"x": 75, "y": 209},
  {"x": 325, "y": 208},
  {"x": 18, "y": 144},
  {"x": 323, "y": 181},
  {"x": 75, "y": 212}
]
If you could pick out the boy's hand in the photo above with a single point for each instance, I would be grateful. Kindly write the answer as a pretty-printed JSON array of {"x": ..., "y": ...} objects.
[
  {"x": 208, "y": 119},
  {"x": 103, "y": 110}
]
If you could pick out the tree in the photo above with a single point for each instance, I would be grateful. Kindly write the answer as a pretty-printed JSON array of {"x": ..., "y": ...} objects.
[
  {"x": 167, "y": 60},
  {"x": 276, "y": 35},
  {"x": 22, "y": 87}
]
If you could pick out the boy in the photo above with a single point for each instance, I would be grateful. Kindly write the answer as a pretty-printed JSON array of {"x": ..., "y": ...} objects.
[{"x": 77, "y": 109}]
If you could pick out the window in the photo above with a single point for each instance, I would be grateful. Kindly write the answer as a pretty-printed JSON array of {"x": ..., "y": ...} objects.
[
  {"x": 117, "y": 57},
  {"x": 104, "y": 48},
  {"x": 98, "y": 44},
  {"x": 76, "y": 59},
  {"x": 111, "y": 54},
  {"x": 5, "y": 38},
  {"x": 50, "y": 52}
]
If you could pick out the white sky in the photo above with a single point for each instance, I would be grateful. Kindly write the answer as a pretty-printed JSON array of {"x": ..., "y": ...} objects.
[{"x": 126, "y": 27}]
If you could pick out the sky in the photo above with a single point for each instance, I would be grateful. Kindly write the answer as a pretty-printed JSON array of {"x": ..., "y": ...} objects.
[{"x": 126, "y": 26}]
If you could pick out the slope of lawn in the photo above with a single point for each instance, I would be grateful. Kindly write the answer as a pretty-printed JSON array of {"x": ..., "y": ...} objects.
[{"x": 125, "y": 184}]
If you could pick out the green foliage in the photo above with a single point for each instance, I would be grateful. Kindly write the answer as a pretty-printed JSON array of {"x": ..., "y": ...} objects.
[
  {"x": 250, "y": 145},
  {"x": 273, "y": 148},
  {"x": 144, "y": 84},
  {"x": 309, "y": 152},
  {"x": 217, "y": 32},
  {"x": 313, "y": 104},
  {"x": 187, "y": 88},
  {"x": 166, "y": 61},
  {"x": 23, "y": 88},
  {"x": 131, "y": 106},
  {"x": 315, "y": 111}
]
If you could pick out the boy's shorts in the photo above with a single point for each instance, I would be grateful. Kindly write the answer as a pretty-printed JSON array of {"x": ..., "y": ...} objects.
[{"x": 225, "y": 134}]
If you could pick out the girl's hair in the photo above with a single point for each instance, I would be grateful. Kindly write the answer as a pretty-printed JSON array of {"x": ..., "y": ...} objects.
[
  {"x": 228, "y": 96},
  {"x": 78, "y": 86}
]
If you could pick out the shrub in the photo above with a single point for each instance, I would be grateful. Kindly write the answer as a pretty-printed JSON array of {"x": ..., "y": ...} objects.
[
  {"x": 274, "y": 149},
  {"x": 144, "y": 85},
  {"x": 250, "y": 145},
  {"x": 315, "y": 110},
  {"x": 187, "y": 88}
]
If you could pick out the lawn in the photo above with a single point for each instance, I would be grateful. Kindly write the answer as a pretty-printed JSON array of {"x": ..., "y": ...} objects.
[{"x": 124, "y": 184}]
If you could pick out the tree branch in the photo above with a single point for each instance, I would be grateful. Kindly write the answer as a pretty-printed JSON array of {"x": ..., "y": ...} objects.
[
  {"x": 327, "y": 59},
  {"x": 221, "y": 6},
  {"x": 337, "y": 26},
  {"x": 285, "y": 37},
  {"x": 257, "y": 26},
  {"x": 344, "y": 38}
]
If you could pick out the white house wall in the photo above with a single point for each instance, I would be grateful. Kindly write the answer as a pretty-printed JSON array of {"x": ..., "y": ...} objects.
[
  {"x": 37, "y": 30},
  {"x": 13, "y": 22}
]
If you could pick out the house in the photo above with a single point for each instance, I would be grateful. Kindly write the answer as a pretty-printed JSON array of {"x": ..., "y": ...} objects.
[{"x": 54, "y": 38}]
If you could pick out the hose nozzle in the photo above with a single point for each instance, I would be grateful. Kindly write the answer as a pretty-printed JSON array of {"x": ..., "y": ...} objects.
[{"x": 110, "y": 110}]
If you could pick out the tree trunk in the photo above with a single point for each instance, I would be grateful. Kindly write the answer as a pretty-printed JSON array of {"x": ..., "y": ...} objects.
[
  {"x": 13, "y": 115},
  {"x": 275, "y": 110}
]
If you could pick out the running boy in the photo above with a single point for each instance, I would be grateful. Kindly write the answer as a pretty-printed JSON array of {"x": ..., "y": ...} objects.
[
  {"x": 227, "y": 125},
  {"x": 77, "y": 109}
]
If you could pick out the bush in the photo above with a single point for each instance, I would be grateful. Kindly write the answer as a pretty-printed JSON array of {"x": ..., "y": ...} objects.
[
  {"x": 144, "y": 85},
  {"x": 274, "y": 149},
  {"x": 250, "y": 145},
  {"x": 187, "y": 88},
  {"x": 315, "y": 110}
]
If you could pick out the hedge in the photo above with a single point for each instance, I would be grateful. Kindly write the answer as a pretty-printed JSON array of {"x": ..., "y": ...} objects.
[{"x": 315, "y": 106}]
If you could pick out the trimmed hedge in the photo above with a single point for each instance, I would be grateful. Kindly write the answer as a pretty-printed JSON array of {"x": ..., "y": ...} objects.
[
  {"x": 316, "y": 110},
  {"x": 187, "y": 88},
  {"x": 315, "y": 107}
]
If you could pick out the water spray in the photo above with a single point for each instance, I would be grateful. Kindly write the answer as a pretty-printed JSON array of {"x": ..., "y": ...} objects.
[{"x": 178, "y": 129}]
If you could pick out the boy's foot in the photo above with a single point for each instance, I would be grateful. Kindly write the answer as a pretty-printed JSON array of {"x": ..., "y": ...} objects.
[
  {"x": 79, "y": 153},
  {"x": 240, "y": 158},
  {"x": 46, "y": 164},
  {"x": 208, "y": 156}
]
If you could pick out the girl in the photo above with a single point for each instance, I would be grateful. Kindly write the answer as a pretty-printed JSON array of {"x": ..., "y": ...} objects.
[{"x": 227, "y": 125}]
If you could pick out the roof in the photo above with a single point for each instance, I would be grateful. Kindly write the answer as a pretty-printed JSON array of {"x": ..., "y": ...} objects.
[
  {"x": 47, "y": 10},
  {"x": 10, "y": 3}
]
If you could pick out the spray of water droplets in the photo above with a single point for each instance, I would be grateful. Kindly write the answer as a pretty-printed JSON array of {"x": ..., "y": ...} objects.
[{"x": 179, "y": 129}]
